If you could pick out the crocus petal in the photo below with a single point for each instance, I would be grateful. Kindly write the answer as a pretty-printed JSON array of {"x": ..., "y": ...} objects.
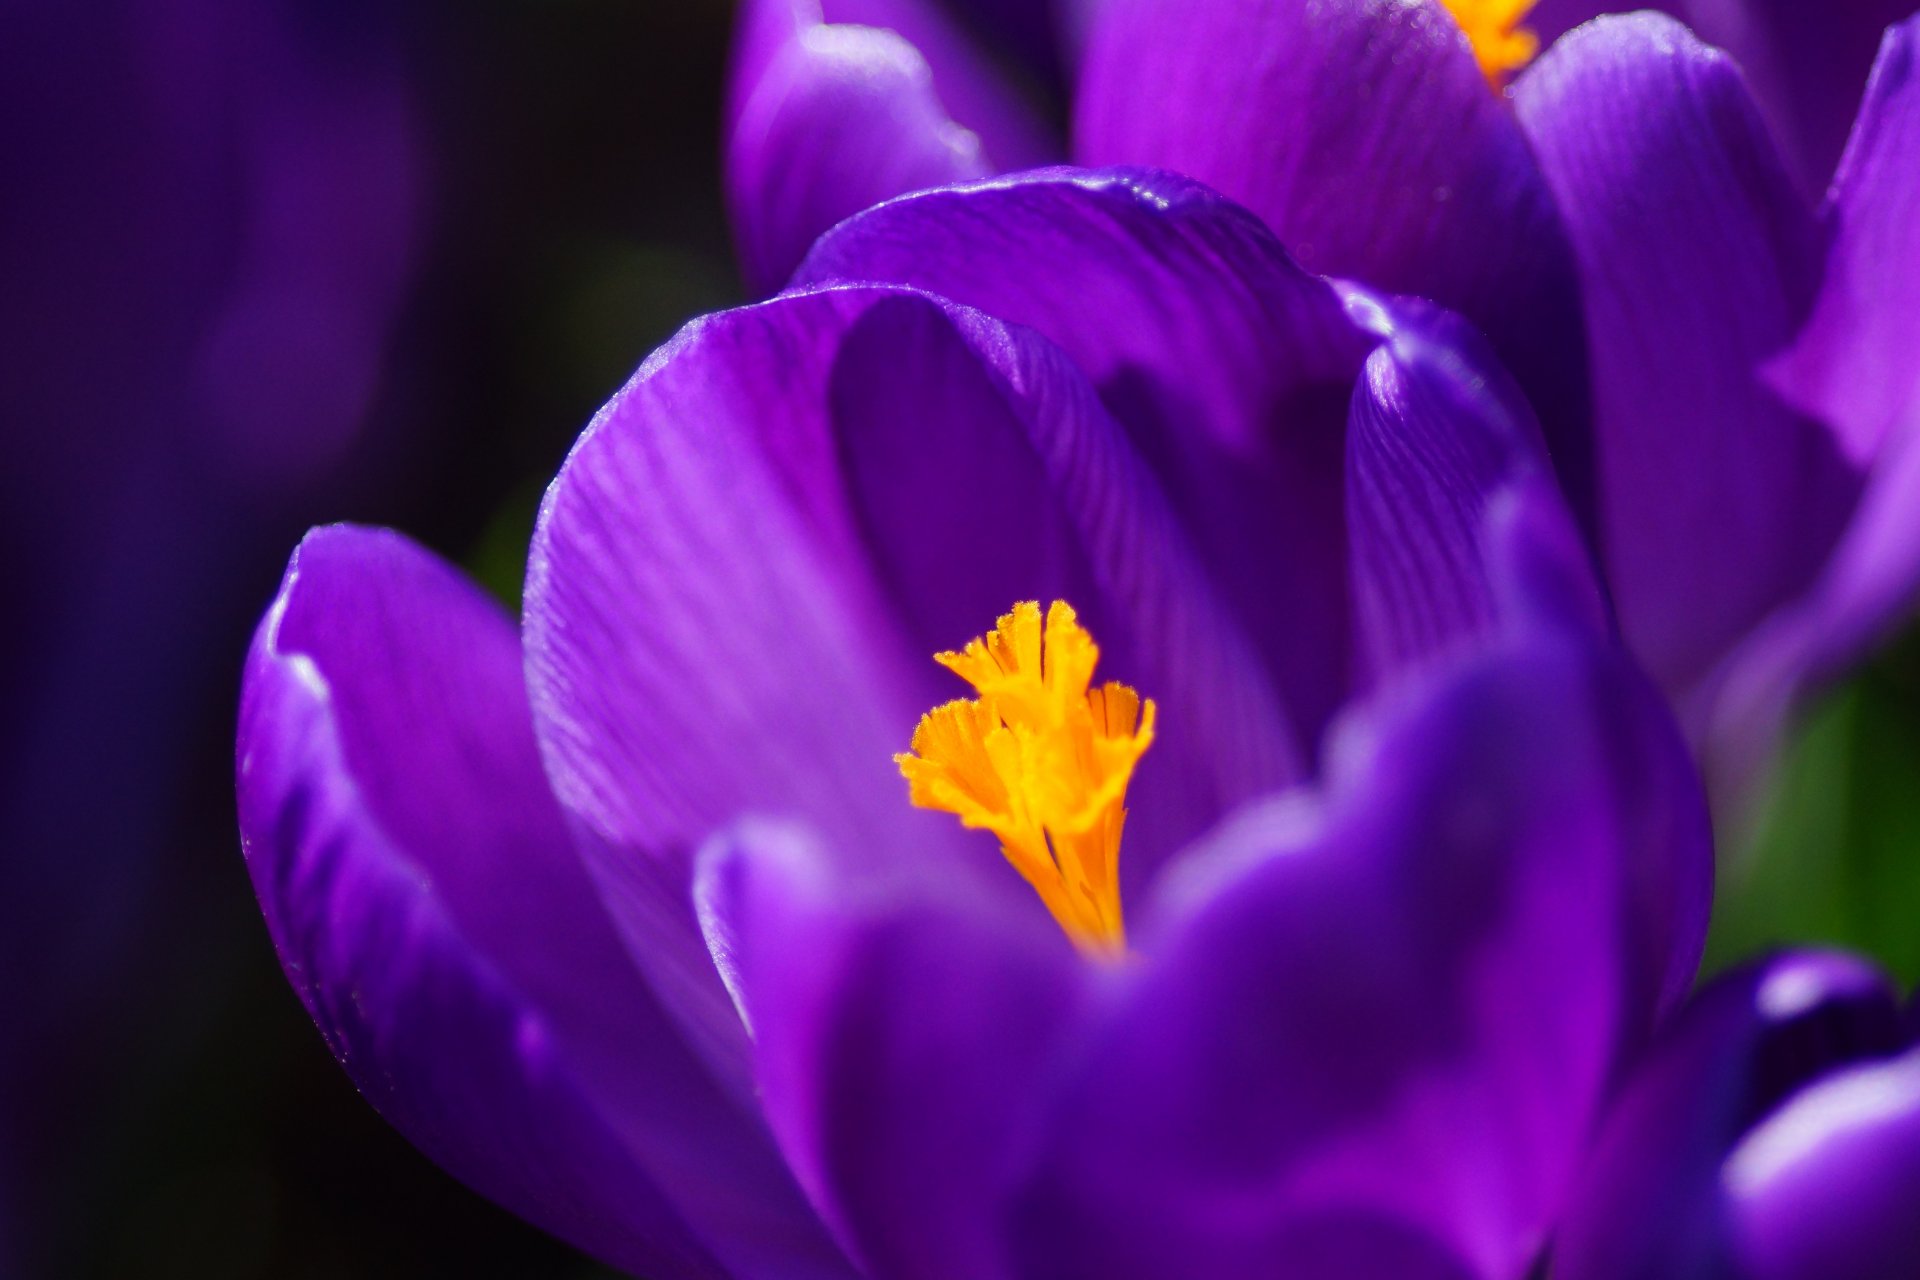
[
  {"x": 840, "y": 105},
  {"x": 1854, "y": 365},
  {"x": 1387, "y": 1012},
  {"x": 740, "y": 576},
  {"x": 1826, "y": 1188},
  {"x": 1806, "y": 62},
  {"x": 1441, "y": 446},
  {"x": 417, "y": 877},
  {"x": 1650, "y": 1199},
  {"x": 1551, "y": 19},
  {"x": 1229, "y": 366},
  {"x": 1854, "y": 368},
  {"x": 905, "y": 1119},
  {"x": 1366, "y": 136},
  {"x": 1870, "y": 587},
  {"x": 1698, "y": 262}
]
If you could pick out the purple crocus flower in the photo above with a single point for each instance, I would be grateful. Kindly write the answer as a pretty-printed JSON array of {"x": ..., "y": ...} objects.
[
  {"x": 1722, "y": 371},
  {"x": 1773, "y": 1133},
  {"x": 625, "y": 917}
]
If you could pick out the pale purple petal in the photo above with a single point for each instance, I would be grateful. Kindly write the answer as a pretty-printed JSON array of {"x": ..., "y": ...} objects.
[
  {"x": 1229, "y": 366},
  {"x": 1698, "y": 262},
  {"x": 417, "y": 877}
]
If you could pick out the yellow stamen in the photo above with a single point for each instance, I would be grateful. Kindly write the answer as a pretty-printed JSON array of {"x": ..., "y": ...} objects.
[
  {"x": 1042, "y": 760},
  {"x": 1493, "y": 27}
]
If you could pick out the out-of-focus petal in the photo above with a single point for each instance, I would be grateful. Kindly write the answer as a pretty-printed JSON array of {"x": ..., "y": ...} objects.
[
  {"x": 838, "y": 105},
  {"x": 1806, "y": 61},
  {"x": 417, "y": 877},
  {"x": 1650, "y": 1198},
  {"x": 1871, "y": 585},
  {"x": 1825, "y": 1189},
  {"x": 1442, "y": 452},
  {"x": 1854, "y": 366},
  {"x": 843, "y": 117},
  {"x": 1459, "y": 535},
  {"x": 1383, "y": 1014},
  {"x": 1698, "y": 261},
  {"x": 1366, "y": 136},
  {"x": 740, "y": 576},
  {"x": 1230, "y": 367},
  {"x": 903, "y": 1042},
  {"x": 1551, "y": 19}
]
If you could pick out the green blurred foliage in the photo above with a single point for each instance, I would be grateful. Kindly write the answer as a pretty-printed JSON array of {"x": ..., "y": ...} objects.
[{"x": 1835, "y": 858}]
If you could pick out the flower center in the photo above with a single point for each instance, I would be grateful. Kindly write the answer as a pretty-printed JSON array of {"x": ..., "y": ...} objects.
[
  {"x": 1042, "y": 760},
  {"x": 1493, "y": 27}
]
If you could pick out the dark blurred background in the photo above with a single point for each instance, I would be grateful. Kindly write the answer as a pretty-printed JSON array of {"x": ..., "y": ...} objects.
[{"x": 265, "y": 264}]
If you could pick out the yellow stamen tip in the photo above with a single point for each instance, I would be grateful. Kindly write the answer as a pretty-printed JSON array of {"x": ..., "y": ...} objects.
[
  {"x": 1042, "y": 759},
  {"x": 1493, "y": 28}
]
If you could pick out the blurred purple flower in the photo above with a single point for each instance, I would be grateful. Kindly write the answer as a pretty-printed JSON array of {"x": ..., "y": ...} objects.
[
  {"x": 1724, "y": 375},
  {"x": 1773, "y": 1133},
  {"x": 625, "y": 918},
  {"x": 207, "y": 215}
]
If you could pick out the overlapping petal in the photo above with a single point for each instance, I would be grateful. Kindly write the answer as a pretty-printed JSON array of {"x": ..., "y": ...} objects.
[
  {"x": 741, "y": 573},
  {"x": 1455, "y": 522},
  {"x": 1853, "y": 365},
  {"x": 1698, "y": 263},
  {"x": 1382, "y": 1015},
  {"x": 1229, "y": 366},
  {"x": 1825, "y": 1188},
  {"x": 908, "y": 1129},
  {"x": 1364, "y": 134},
  {"x": 1653, "y": 1198},
  {"x": 417, "y": 878},
  {"x": 1807, "y": 63},
  {"x": 838, "y": 104},
  {"x": 1364, "y": 1032}
]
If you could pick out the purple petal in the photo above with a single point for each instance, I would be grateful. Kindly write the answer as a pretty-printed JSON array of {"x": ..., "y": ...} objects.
[
  {"x": 1870, "y": 588},
  {"x": 1551, "y": 19},
  {"x": 1229, "y": 366},
  {"x": 1650, "y": 1199},
  {"x": 1805, "y": 61},
  {"x": 742, "y": 572},
  {"x": 417, "y": 878},
  {"x": 901, "y": 1041},
  {"x": 1826, "y": 1188},
  {"x": 1853, "y": 366},
  {"x": 1385, "y": 1013},
  {"x": 1698, "y": 259},
  {"x": 1366, "y": 136},
  {"x": 837, "y": 106},
  {"x": 1443, "y": 453}
]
